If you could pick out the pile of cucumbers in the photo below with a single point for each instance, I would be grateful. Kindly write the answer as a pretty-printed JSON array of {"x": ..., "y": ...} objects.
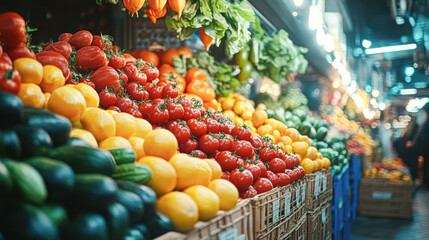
[{"x": 56, "y": 187}]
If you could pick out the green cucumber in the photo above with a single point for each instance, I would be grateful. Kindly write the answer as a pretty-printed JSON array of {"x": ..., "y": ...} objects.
[
  {"x": 59, "y": 178},
  {"x": 85, "y": 159},
  {"x": 133, "y": 172},
  {"x": 34, "y": 141},
  {"x": 87, "y": 226},
  {"x": 93, "y": 192},
  {"x": 56, "y": 213},
  {"x": 77, "y": 142},
  {"x": 133, "y": 203},
  {"x": 11, "y": 109},
  {"x": 143, "y": 229},
  {"x": 134, "y": 234},
  {"x": 117, "y": 220},
  {"x": 6, "y": 184},
  {"x": 145, "y": 193},
  {"x": 159, "y": 224},
  {"x": 123, "y": 155},
  {"x": 27, "y": 182},
  {"x": 57, "y": 126},
  {"x": 9, "y": 144}
]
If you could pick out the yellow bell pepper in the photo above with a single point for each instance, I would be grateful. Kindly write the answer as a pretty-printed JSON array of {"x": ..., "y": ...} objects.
[
  {"x": 53, "y": 78},
  {"x": 31, "y": 94},
  {"x": 31, "y": 71},
  {"x": 99, "y": 122},
  {"x": 67, "y": 102}
]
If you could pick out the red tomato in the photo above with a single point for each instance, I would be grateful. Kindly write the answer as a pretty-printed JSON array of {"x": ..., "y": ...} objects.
[
  {"x": 155, "y": 92},
  {"x": 296, "y": 160},
  {"x": 249, "y": 193},
  {"x": 212, "y": 125},
  {"x": 284, "y": 179},
  {"x": 170, "y": 92},
  {"x": 291, "y": 175},
  {"x": 20, "y": 51},
  {"x": 190, "y": 113},
  {"x": 227, "y": 161},
  {"x": 267, "y": 154},
  {"x": 189, "y": 146},
  {"x": 137, "y": 92},
  {"x": 60, "y": 47},
  {"x": 198, "y": 154},
  {"x": 151, "y": 72},
  {"x": 225, "y": 176},
  {"x": 198, "y": 128},
  {"x": 273, "y": 178},
  {"x": 261, "y": 166},
  {"x": 12, "y": 29},
  {"x": 123, "y": 103},
  {"x": 298, "y": 173},
  {"x": 81, "y": 39},
  {"x": 117, "y": 62},
  {"x": 10, "y": 81},
  {"x": 225, "y": 142},
  {"x": 114, "y": 108},
  {"x": 4, "y": 65},
  {"x": 254, "y": 169},
  {"x": 136, "y": 113},
  {"x": 175, "y": 110},
  {"x": 277, "y": 165},
  {"x": 279, "y": 153},
  {"x": 87, "y": 82},
  {"x": 6, "y": 58},
  {"x": 158, "y": 114},
  {"x": 241, "y": 133},
  {"x": 241, "y": 178},
  {"x": 240, "y": 162},
  {"x": 56, "y": 59},
  {"x": 144, "y": 108},
  {"x": 263, "y": 185},
  {"x": 226, "y": 128},
  {"x": 158, "y": 101},
  {"x": 90, "y": 58},
  {"x": 105, "y": 78},
  {"x": 182, "y": 133},
  {"x": 208, "y": 143},
  {"x": 134, "y": 74},
  {"x": 256, "y": 142},
  {"x": 65, "y": 37},
  {"x": 107, "y": 99},
  {"x": 290, "y": 162},
  {"x": 97, "y": 41},
  {"x": 243, "y": 149}
]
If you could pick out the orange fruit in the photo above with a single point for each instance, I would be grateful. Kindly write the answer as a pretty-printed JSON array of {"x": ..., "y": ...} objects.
[
  {"x": 99, "y": 122},
  {"x": 164, "y": 177},
  {"x": 67, "y": 102},
  {"x": 207, "y": 201},
  {"x": 143, "y": 128},
  {"x": 147, "y": 56},
  {"x": 326, "y": 162},
  {"x": 300, "y": 148},
  {"x": 308, "y": 165},
  {"x": 227, "y": 193},
  {"x": 115, "y": 142},
  {"x": 305, "y": 139},
  {"x": 125, "y": 124},
  {"x": 161, "y": 143},
  {"x": 167, "y": 56},
  {"x": 89, "y": 93},
  {"x": 316, "y": 166},
  {"x": 180, "y": 209},
  {"x": 137, "y": 145},
  {"x": 185, "y": 51},
  {"x": 320, "y": 161},
  {"x": 215, "y": 167},
  {"x": 190, "y": 171},
  {"x": 293, "y": 134},
  {"x": 286, "y": 140},
  {"x": 311, "y": 153}
]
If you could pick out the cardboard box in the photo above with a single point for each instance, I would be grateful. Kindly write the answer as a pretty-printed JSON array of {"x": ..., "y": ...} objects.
[
  {"x": 381, "y": 198},
  {"x": 234, "y": 224},
  {"x": 319, "y": 189},
  {"x": 277, "y": 212}
]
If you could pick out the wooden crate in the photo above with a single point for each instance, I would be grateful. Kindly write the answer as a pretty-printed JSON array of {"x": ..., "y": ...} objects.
[
  {"x": 319, "y": 189},
  {"x": 319, "y": 222},
  {"x": 299, "y": 232},
  {"x": 381, "y": 198},
  {"x": 278, "y": 211},
  {"x": 234, "y": 224}
]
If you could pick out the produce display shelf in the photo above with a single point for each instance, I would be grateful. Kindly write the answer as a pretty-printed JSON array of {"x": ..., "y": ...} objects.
[
  {"x": 340, "y": 188},
  {"x": 319, "y": 189}
]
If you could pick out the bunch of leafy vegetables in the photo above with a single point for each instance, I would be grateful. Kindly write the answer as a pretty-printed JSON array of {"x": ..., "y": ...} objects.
[
  {"x": 277, "y": 57},
  {"x": 219, "y": 75},
  {"x": 220, "y": 19}
]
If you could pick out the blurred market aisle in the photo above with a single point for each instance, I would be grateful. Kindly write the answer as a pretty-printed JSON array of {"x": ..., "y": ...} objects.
[{"x": 384, "y": 228}]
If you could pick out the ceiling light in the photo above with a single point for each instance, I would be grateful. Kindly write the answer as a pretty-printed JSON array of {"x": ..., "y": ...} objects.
[
  {"x": 366, "y": 43},
  {"x": 375, "y": 93},
  {"x": 408, "y": 79},
  {"x": 336, "y": 84},
  {"x": 368, "y": 88},
  {"x": 410, "y": 91},
  {"x": 298, "y": 2},
  {"x": 315, "y": 18},
  {"x": 382, "y": 106},
  {"x": 395, "y": 48},
  {"x": 399, "y": 20},
  {"x": 409, "y": 71},
  {"x": 412, "y": 21}
]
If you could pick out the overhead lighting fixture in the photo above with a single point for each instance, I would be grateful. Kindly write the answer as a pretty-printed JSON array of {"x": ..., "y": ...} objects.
[
  {"x": 399, "y": 20},
  {"x": 410, "y": 91},
  {"x": 336, "y": 84},
  {"x": 414, "y": 105},
  {"x": 412, "y": 21},
  {"x": 315, "y": 18},
  {"x": 298, "y": 2},
  {"x": 395, "y": 48},
  {"x": 366, "y": 43},
  {"x": 375, "y": 93},
  {"x": 382, "y": 106},
  {"x": 409, "y": 71}
]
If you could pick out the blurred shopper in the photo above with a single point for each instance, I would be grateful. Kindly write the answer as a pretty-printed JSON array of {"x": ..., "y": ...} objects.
[
  {"x": 403, "y": 146},
  {"x": 385, "y": 138},
  {"x": 421, "y": 142}
]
